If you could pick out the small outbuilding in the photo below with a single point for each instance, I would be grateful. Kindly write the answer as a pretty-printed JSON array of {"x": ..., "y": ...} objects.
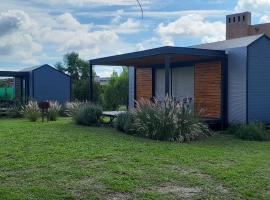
[{"x": 40, "y": 83}]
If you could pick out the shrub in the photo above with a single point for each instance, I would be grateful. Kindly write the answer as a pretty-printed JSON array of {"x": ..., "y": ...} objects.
[
  {"x": 88, "y": 114},
  {"x": 54, "y": 110},
  {"x": 125, "y": 122},
  {"x": 31, "y": 111},
  {"x": 253, "y": 131},
  {"x": 168, "y": 120}
]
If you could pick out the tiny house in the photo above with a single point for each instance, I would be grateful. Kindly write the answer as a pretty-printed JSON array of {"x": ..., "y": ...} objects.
[{"x": 229, "y": 79}]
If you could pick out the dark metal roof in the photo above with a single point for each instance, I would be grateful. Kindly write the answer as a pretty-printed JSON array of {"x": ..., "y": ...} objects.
[
  {"x": 156, "y": 56},
  {"x": 13, "y": 74},
  {"x": 229, "y": 44},
  {"x": 29, "y": 69}
]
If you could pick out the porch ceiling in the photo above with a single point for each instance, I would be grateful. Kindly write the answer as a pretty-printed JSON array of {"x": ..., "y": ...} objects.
[{"x": 156, "y": 56}]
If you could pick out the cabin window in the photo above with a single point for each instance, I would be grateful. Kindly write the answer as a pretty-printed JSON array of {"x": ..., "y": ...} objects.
[
  {"x": 229, "y": 20},
  {"x": 243, "y": 18},
  {"x": 233, "y": 19},
  {"x": 239, "y": 19}
]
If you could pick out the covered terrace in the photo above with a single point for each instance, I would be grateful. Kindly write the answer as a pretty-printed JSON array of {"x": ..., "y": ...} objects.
[{"x": 175, "y": 71}]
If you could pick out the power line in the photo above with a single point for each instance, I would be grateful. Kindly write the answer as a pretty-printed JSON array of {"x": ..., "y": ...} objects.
[{"x": 140, "y": 7}]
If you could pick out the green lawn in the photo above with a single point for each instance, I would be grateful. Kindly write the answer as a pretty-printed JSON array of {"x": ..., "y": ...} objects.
[{"x": 59, "y": 160}]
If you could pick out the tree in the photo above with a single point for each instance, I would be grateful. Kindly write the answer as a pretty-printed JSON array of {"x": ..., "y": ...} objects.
[
  {"x": 78, "y": 69},
  {"x": 116, "y": 92}
]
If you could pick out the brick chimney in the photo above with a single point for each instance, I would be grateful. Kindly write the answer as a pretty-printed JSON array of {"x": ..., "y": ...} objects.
[{"x": 239, "y": 25}]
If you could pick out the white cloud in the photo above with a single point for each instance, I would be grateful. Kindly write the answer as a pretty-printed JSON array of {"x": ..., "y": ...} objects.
[
  {"x": 252, "y": 5},
  {"x": 193, "y": 25},
  {"x": 157, "y": 14},
  {"x": 129, "y": 26},
  {"x": 140, "y": 47},
  {"x": 67, "y": 21},
  {"x": 14, "y": 20},
  {"x": 16, "y": 39},
  {"x": 264, "y": 19},
  {"x": 23, "y": 39},
  {"x": 96, "y": 2}
]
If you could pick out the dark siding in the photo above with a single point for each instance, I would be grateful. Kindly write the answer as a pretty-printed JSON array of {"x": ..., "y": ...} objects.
[
  {"x": 237, "y": 62},
  {"x": 131, "y": 87},
  {"x": 259, "y": 81},
  {"x": 49, "y": 84}
]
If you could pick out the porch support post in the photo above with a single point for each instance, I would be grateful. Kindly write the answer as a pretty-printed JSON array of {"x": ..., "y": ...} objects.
[
  {"x": 153, "y": 82},
  {"x": 90, "y": 81},
  {"x": 167, "y": 75},
  {"x": 27, "y": 88},
  {"x": 224, "y": 93}
]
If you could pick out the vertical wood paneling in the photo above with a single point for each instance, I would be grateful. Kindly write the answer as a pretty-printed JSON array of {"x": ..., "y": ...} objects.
[
  {"x": 143, "y": 83},
  {"x": 207, "y": 89}
]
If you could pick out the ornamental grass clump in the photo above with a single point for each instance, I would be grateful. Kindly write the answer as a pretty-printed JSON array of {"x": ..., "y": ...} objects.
[
  {"x": 31, "y": 111},
  {"x": 168, "y": 120},
  {"x": 54, "y": 110},
  {"x": 88, "y": 114},
  {"x": 72, "y": 107},
  {"x": 125, "y": 122}
]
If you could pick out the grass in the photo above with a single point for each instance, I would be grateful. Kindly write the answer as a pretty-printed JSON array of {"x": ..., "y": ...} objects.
[{"x": 59, "y": 160}]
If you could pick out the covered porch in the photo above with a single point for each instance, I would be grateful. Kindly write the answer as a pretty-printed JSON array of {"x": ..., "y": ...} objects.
[
  {"x": 20, "y": 88},
  {"x": 199, "y": 75}
]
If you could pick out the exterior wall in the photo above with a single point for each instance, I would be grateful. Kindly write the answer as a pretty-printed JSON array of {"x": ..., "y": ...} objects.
[
  {"x": 143, "y": 83},
  {"x": 207, "y": 89},
  {"x": 259, "y": 81},
  {"x": 239, "y": 25},
  {"x": 259, "y": 29},
  {"x": 50, "y": 84},
  {"x": 183, "y": 83},
  {"x": 131, "y": 87},
  {"x": 237, "y": 62}
]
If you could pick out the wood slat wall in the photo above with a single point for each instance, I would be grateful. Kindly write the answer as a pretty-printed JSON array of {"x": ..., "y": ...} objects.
[
  {"x": 208, "y": 89},
  {"x": 143, "y": 83}
]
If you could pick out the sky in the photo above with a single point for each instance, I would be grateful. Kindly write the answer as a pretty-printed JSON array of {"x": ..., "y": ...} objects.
[{"x": 36, "y": 32}]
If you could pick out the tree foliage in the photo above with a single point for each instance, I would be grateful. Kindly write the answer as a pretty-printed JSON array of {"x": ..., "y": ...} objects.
[
  {"x": 78, "y": 69},
  {"x": 111, "y": 96},
  {"x": 116, "y": 92}
]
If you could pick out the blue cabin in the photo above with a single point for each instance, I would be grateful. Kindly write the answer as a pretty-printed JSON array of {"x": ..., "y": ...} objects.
[{"x": 41, "y": 83}]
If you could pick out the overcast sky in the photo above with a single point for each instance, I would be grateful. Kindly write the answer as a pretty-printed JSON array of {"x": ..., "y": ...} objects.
[{"x": 34, "y": 32}]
